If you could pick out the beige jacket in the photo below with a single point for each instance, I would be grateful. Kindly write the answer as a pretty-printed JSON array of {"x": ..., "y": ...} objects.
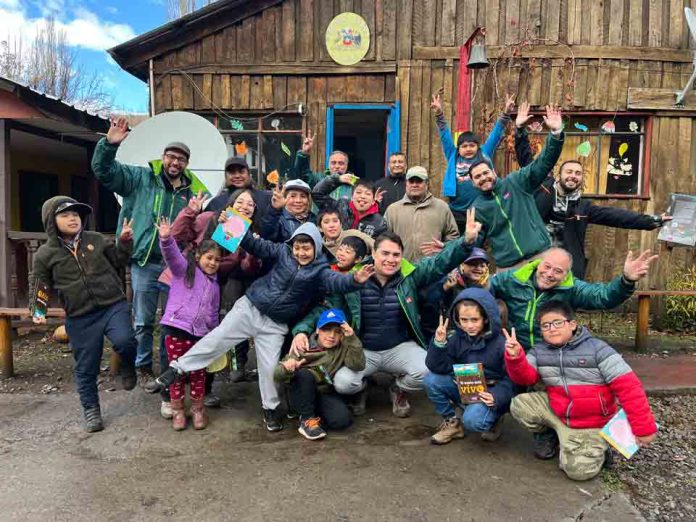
[{"x": 419, "y": 222}]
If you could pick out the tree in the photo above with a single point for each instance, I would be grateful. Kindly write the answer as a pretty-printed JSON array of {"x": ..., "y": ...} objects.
[
  {"x": 179, "y": 8},
  {"x": 49, "y": 65}
]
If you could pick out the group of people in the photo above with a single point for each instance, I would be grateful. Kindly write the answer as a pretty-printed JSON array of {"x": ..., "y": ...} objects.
[{"x": 339, "y": 278}]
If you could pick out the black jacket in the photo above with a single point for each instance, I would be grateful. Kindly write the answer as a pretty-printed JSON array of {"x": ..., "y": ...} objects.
[
  {"x": 262, "y": 198},
  {"x": 580, "y": 212},
  {"x": 394, "y": 190}
]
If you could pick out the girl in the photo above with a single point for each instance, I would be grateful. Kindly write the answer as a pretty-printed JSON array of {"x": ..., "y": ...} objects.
[
  {"x": 192, "y": 312},
  {"x": 478, "y": 339}
]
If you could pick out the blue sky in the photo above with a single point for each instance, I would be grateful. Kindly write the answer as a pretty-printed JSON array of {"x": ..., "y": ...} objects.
[{"x": 92, "y": 26}]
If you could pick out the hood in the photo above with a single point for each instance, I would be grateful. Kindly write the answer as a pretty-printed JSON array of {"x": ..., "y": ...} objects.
[
  {"x": 311, "y": 230},
  {"x": 582, "y": 334},
  {"x": 486, "y": 301},
  {"x": 525, "y": 274},
  {"x": 48, "y": 214}
]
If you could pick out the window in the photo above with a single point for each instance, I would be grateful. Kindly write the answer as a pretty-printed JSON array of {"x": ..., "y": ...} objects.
[
  {"x": 611, "y": 148},
  {"x": 268, "y": 142}
]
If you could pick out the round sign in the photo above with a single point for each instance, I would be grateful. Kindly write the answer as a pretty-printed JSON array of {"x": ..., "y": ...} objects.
[{"x": 347, "y": 38}]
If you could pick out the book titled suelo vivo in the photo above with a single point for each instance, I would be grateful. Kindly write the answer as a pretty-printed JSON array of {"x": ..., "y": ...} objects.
[{"x": 470, "y": 381}]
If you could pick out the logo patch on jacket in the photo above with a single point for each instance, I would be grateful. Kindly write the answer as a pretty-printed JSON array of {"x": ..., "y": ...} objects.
[
  {"x": 582, "y": 362},
  {"x": 90, "y": 247},
  {"x": 409, "y": 299},
  {"x": 507, "y": 195}
]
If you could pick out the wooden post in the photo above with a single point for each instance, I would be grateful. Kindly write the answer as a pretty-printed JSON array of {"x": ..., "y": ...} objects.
[
  {"x": 6, "y": 363},
  {"x": 5, "y": 213},
  {"x": 642, "y": 323}
]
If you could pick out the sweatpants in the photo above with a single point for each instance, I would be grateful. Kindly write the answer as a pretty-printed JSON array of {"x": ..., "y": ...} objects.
[
  {"x": 86, "y": 334},
  {"x": 244, "y": 321},
  {"x": 581, "y": 451},
  {"x": 405, "y": 360},
  {"x": 308, "y": 401},
  {"x": 177, "y": 343}
]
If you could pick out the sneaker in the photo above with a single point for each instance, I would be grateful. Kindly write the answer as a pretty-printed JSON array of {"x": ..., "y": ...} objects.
[
  {"x": 211, "y": 401},
  {"x": 146, "y": 380},
  {"x": 237, "y": 375},
  {"x": 400, "y": 405},
  {"x": 272, "y": 419},
  {"x": 448, "y": 430},
  {"x": 545, "y": 444},
  {"x": 608, "y": 459},
  {"x": 311, "y": 429},
  {"x": 359, "y": 404},
  {"x": 292, "y": 414},
  {"x": 495, "y": 432},
  {"x": 166, "y": 410},
  {"x": 167, "y": 378},
  {"x": 128, "y": 377},
  {"x": 93, "y": 419}
]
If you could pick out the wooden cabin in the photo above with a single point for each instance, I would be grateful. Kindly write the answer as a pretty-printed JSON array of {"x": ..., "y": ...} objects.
[{"x": 260, "y": 70}]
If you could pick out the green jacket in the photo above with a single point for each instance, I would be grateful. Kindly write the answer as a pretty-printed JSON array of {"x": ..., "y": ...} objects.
[
  {"x": 510, "y": 219},
  {"x": 413, "y": 277},
  {"x": 146, "y": 198},
  {"x": 302, "y": 171},
  {"x": 518, "y": 289}
]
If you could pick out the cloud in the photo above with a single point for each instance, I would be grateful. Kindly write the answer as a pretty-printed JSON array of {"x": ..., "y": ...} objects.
[{"x": 10, "y": 4}]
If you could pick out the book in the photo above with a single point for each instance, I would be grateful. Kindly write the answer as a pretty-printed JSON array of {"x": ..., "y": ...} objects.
[
  {"x": 230, "y": 233},
  {"x": 41, "y": 298},
  {"x": 618, "y": 433},
  {"x": 470, "y": 381},
  {"x": 682, "y": 228}
]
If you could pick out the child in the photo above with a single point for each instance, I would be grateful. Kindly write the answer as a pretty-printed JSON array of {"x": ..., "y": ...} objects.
[
  {"x": 477, "y": 339},
  {"x": 82, "y": 267},
  {"x": 310, "y": 375},
  {"x": 299, "y": 274},
  {"x": 361, "y": 212},
  {"x": 583, "y": 377},
  {"x": 291, "y": 207},
  {"x": 192, "y": 312},
  {"x": 351, "y": 251},
  {"x": 329, "y": 223}
]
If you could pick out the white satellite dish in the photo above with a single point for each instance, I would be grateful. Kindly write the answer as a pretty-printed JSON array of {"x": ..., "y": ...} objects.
[
  {"x": 691, "y": 22},
  {"x": 146, "y": 142}
]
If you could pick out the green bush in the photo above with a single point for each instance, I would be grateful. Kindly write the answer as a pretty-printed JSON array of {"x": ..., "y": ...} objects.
[{"x": 680, "y": 311}]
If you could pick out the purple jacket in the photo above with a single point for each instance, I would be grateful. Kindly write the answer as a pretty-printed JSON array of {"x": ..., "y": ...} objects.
[{"x": 195, "y": 309}]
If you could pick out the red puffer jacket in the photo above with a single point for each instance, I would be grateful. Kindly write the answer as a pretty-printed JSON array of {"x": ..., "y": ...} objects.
[{"x": 583, "y": 380}]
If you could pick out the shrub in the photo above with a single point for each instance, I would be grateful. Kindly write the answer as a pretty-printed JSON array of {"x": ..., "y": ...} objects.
[{"x": 680, "y": 311}]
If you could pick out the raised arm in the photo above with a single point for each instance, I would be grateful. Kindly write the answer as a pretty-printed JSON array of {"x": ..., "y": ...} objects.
[
  {"x": 262, "y": 248},
  {"x": 322, "y": 190},
  {"x": 498, "y": 131},
  {"x": 622, "y": 218}
]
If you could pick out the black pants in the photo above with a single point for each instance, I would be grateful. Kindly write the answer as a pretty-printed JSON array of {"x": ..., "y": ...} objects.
[{"x": 308, "y": 401}]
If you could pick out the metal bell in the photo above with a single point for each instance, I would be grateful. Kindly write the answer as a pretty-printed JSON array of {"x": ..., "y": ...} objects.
[{"x": 477, "y": 57}]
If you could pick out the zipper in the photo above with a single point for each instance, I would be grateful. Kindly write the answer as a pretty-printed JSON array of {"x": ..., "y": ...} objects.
[
  {"x": 605, "y": 412},
  {"x": 509, "y": 224},
  {"x": 531, "y": 312},
  {"x": 82, "y": 272},
  {"x": 565, "y": 386},
  {"x": 403, "y": 307},
  {"x": 157, "y": 208},
  {"x": 200, "y": 302}
]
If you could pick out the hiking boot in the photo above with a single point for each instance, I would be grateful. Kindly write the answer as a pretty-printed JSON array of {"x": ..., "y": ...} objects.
[
  {"x": 273, "y": 420},
  {"x": 146, "y": 379},
  {"x": 545, "y": 444},
  {"x": 495, "y": 432},
  {"x": 359, "y": 404},
  {"x": 311, "y": 429},
  {"x": 211, "y": 401},
  {"x": 178, "y": 415},
  {"x": 199, "y": 417},
  {"x": 167, "y": 378},
  {"x": 128, "y": 376},
  {"x": 93, "y": 419},
  {"x": 448, "y": 430},
  {"x": 400, "y": 405},
  {"x": 608, "y": 459},
  {"x": 166, "y": 410}
]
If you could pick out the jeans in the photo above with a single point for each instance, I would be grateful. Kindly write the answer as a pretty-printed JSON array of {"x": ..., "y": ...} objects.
[
  {"x": 443, "y": 393},
  {"x": 146, "y": 291},
  {"x": 86, "y": 334},
  {"x": 308, "y": 401}
]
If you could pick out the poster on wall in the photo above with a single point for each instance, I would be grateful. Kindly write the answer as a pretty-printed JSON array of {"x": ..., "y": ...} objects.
[
  {"x": 682, "y": 228},
  {"x": 347, "y": 38}
]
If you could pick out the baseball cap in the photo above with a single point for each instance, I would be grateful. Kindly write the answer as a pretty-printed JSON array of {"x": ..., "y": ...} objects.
[
  {"x": 177, "y": 145},
  {"x": 236, "y": 160},
  {"x": 332, "y": 316},
  {"x": 80, "y": 208},
  {"x": 296, "y": 184},
  {"x": 477, "y": 253},
  {"x": 417, "y": 172}
]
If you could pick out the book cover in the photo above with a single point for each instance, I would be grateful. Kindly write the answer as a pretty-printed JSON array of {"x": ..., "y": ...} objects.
[
  {"x": 470, "y": 381},
  {"x": 41, "y": 298},
  {"x": 618, "y": 433},
  {"x": 682, "y": 228},
  {"x": 230, "y": 233}
]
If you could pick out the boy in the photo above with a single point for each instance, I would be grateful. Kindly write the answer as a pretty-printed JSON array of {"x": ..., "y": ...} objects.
[
  {"x": 361, "y": 212},
  {"x": 299, "y": 274},
  {"x": 82, "y": 266},
  {"x": 310, "y": 376},
  {"x": 583, "y": 377},
  {"x": 477, "y": 339},
  {"x": 351, "y": 251}
]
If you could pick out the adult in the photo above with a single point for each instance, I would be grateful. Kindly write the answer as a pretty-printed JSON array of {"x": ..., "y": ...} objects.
[
  {"x": 393, "y": 186},
  {"x": 338, "y": 165},
  {"x": 419, "y": 216},
  {"x": 384, "y": 315},
  {"x": 505, "y": 206},
  {"x": 549, "y": 278},
  {"x": 361, "y": 212},
  {"x": 291, "y": 206},
  {"x": 566, "y": 215},
  {"x": 238, "y": 176},
  {"x": 161, "y": 189}
]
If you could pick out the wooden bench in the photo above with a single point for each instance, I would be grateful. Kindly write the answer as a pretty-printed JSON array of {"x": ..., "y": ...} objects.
[{"x": 644, "y": 312}]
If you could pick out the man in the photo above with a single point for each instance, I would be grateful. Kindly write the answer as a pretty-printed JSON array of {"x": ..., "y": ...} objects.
[
  {"x": 505, "y": 206},
  {"x": 361, "y": 212},
  {"x": 338, "y": 165},
  {"x": 237, "y": 176},
  {"x": 149, "y": 193},
  {"x": 549, "y": 278},
  {"x": 393, "y": 186},
  {"x": 420, "y": 217},
  {"x": 384, "y": 315}
]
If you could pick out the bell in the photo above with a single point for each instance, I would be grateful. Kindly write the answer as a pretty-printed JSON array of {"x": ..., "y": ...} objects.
[{"x": 477, "y": 57}]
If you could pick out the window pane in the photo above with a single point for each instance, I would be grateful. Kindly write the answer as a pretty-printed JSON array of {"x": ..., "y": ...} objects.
[
  {"x": 282, "y": 122},
  {"x": 624, "y": 164},
  {"x": 247, "y": 146},
  {"x": 243, "y": 123},
  {"x": 278, "y": 153}
]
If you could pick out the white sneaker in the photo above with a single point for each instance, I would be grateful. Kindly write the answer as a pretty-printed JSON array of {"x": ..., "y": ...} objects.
[{"x": 166, "y": 410}]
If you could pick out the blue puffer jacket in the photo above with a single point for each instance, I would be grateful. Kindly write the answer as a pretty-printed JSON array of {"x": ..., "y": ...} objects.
[
  {"x": 279, "y": 225},
  {"x": 283, "y": 292},
  {"x": 488, "y": 349}
]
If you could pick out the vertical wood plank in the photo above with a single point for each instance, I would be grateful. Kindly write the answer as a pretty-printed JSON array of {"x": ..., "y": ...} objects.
[
  {"x": 655, "y": 23},
  {"x": 297, "y": 90},
  {"x": 635, "y": 22},
  {"x": 235, "y": 91},
  {"x": 324, "y": 12},
  {"x": 390, "y": 88},
  {"x": 280, "y": 87},
  {"x": 533, "y": 19},
  {"x": 256, "y": 95},
  {"x": 602, "y": 92},
  {"x": 305, "y": 34},
  {"x": 208, "y": 49},
  {"x": 552, "y": 16},
  {"x": 616, "y": 10},
  {"x": 426, "y": 119},
  {"x": 424, "y": 22},
  {"x": 676, "y": 22},
  {"x": 575, "y": 15},
  {"x": 367, "y": 11},
  {"x": 512, "y": 21},
  {"x": 268, "y": 91},
  {"x": 316, "y": 94},
  {"x": 245, "y": 41},
  {"x": 287, "y": 31},
  {"x": 404, "y": 83},
  {"x": 416, "y": 97},
  {"x": 226, "y": 45},
  {"x": 404, "y": 29},
  {"x": 225, "y": 98},
  {"x": 596, "y": 8},
  {"x": 580, "y": 86},
  {"x": 534, "y": 93},
  {"x": 244, "y": 94},
  {"x": 387, "y": 39},
  {"x": 336, "y": 88},
  {"x": 492, "y": 25},
  {"x": 448, "y": 23}
]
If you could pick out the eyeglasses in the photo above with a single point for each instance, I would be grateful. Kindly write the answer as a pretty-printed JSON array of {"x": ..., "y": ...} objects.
[
  {"x": 553, "y": 324},
  {"x": 173, "y": 157}
]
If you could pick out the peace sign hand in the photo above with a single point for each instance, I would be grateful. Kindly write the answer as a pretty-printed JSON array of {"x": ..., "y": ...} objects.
[
  {"x": 277, "y": 199},
  {"x": 436, "y": 104},
  {"x": 164, "y": 228},
  {"x": 473, "y": 227},
  {"x": 196, "y": 202},
  {"x": 509, "y": 103},
  {"x": 512, "y": 346},
  {"x": 441, "y": 332},
  {"x": 379, "y": 195},
  {"x": 308, "y": 141},
  {"x": 126, "y": 231}
]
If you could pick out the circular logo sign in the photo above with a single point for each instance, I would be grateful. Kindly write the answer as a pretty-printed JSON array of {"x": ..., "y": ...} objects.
[{"x": 347, "y": 38}]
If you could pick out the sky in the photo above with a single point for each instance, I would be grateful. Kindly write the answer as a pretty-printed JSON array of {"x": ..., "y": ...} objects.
[{"x": 92, "y": 26}]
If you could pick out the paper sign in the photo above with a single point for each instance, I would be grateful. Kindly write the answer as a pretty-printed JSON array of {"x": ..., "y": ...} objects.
[{"x": 230, "y": 233}]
